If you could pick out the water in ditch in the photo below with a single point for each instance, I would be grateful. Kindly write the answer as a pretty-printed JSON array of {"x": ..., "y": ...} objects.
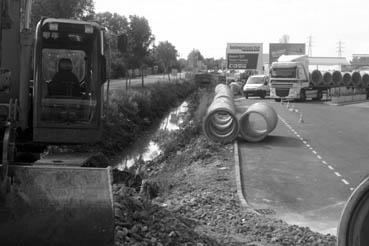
[{"x": 145, "y": 148}]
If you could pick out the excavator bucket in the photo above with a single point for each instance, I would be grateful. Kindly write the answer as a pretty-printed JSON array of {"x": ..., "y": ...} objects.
[{"x": 49, "y": 205}]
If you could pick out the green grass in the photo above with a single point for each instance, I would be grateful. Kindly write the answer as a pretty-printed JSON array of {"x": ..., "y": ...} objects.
[{"x": 132, "y": 111}]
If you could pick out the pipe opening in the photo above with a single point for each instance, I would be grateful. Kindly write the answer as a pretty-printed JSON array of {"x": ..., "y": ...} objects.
[
  {"x": 221, "y": 126},
  {"x": 254, "y": 126}
]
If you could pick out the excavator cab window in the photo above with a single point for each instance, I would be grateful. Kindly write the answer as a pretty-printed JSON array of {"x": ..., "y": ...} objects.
[
  {"x": 67, "y": 94},
  {"x": 64, "y": 73},
  {"x": 285, "y": 72}
]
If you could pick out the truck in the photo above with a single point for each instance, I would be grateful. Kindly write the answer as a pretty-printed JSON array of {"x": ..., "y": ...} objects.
[{"x": 290, "y": 79}]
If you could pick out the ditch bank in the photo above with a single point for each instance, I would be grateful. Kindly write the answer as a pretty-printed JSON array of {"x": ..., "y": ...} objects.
[{"x": 187, "y": 195}]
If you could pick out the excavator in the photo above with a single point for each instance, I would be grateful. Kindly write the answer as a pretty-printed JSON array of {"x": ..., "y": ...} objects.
[{"x": 51, "y": 93}]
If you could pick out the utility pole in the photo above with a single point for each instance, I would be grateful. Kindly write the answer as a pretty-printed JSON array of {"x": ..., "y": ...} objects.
[
  {"x": 310, "y": 46},
  {"x": 340, "y": 48}
]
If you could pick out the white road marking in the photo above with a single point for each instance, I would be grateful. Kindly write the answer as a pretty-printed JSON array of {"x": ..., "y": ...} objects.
[
  {"x": 315, "y": 152},
  {"x": 345, "y": 182}
]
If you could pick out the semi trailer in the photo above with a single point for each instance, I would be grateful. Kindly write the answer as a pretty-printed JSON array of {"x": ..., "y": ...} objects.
[{"x": 290, "y": 79}]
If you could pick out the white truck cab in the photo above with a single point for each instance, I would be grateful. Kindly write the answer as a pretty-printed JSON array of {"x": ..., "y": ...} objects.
[{"x": 289, "y": 79}]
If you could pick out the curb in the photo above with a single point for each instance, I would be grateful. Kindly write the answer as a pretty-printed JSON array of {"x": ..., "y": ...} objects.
[
  {"x": 345, "y": 103},
  {"x": 240, "y": 191}
]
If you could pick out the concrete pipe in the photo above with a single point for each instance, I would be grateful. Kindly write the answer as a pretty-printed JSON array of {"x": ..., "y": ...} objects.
[
  {"x": 337, "y": 78},
  {"x": 365, "y": 80},
  {"x": 221, "y": 88},
  {"x": 316, "y": 77},
  {"x": 327, "y": 79},
  {"x": 346, "y": 79},
  {"x": 356, "y": 79},
  {"x": 354, "y": 223},
  {"x": 235, "y": 88},
  {"x": 220, "y": 123},
  {"x": 257, "y": 122}
]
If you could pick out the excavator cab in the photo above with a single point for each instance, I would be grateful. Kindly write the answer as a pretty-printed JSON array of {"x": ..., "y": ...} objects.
[
  {"x": 69, "y": 73},
  {"x": 51, "y": 202}
]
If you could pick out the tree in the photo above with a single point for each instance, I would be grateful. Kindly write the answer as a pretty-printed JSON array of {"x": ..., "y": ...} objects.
[
  {"x": 193, "y": 58},
  {"x": 181, "y": 64},
  {"x": 74, "y": 9},
  {"x": 166, "y": 55},
  {"x": 139, "y": 40},
  {"x": 116, "y": 25},
  {"x": 284, "y": 39}
]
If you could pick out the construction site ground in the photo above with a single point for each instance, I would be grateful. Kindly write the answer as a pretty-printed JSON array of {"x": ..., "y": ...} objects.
[{"x": 190, "y": 197}]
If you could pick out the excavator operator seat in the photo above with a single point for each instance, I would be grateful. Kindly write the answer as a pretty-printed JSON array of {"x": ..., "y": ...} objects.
[
  {"x": 64, "y": 82},
  {"x": 65, "y": 64}
]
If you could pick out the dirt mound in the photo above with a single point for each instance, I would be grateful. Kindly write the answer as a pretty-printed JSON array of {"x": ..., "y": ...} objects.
[
  {"x": 139, "y": 222},
  {"x": 204, "y": 190}
]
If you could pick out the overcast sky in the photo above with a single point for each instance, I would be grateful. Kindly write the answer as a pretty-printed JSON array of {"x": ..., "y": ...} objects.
[{"x": 208, "y": 25}]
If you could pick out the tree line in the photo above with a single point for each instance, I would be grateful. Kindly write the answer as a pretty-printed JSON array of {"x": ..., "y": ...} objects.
[{"x": 132, "y": 43}]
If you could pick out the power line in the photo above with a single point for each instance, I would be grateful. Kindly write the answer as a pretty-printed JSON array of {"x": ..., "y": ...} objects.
[{"x": 340, "y": 48}]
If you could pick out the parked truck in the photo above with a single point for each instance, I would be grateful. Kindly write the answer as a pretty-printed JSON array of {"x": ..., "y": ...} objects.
[{"x": 289, "y": 79}]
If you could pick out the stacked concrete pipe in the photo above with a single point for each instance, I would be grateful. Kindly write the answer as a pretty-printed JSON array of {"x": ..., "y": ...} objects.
[
  {"x": 327, "y": 79},
  {"x": 316, "y": 77},
  {"x": 248, "y": 130},
  {"x": 346, "y": 79},
  {"x": 337, "y": 78},
  {"x": 356, "y": 79},
  {"x": 220, "y": 123},
  {"x": 365, "y": 79}
]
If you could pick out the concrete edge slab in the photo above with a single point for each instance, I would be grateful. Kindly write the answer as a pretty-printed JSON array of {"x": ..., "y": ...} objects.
[
  {"x": 345, "y": 103},
  {"x": 240, "y": 192}
]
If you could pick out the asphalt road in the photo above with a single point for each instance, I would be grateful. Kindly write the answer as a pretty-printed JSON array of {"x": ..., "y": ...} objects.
[{"x": 306, "y": 171}]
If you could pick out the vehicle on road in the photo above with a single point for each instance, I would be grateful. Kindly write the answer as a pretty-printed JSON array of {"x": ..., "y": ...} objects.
[
  {"x": 289, "y": 79},
  {"x": 257, "y": 85}
]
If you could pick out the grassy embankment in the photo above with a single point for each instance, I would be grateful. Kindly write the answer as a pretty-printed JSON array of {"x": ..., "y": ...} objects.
[{"x": 133, "y": 111}]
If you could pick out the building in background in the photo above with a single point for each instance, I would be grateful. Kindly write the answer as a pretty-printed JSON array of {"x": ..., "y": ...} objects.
[{"x": 360, "y": 61}]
